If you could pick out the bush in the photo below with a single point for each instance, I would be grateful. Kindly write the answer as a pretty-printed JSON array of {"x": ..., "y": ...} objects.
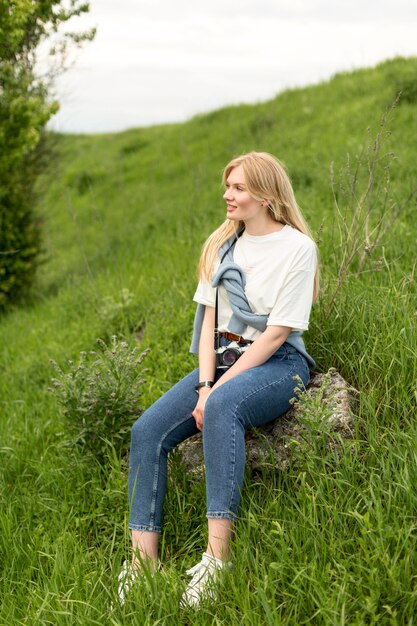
[
  {"x": 22, "y": 119},
  {"x": 25, "y": 108},
  {"x": 100, "y": 397}
]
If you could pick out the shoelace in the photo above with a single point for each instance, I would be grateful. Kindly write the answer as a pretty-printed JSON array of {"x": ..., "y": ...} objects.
[
  {"x": 201, "y": 567},
  {"x": 207, "y": 563}
]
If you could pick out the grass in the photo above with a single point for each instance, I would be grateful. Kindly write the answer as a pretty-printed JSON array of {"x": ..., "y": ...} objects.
[{"x": 330, "y": 541}]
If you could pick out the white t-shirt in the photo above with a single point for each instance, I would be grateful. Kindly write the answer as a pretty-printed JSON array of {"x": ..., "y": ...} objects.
[{"x": 279, "y": 269}]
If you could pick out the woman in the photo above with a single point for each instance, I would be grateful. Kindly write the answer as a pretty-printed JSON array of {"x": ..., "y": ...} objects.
[{"x": 263, "y": 263}]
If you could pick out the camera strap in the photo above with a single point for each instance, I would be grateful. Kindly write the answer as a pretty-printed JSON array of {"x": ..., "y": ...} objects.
[{"x": 216, "y": 323}]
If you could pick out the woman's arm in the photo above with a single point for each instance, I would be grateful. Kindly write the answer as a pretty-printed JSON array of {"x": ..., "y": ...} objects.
[
  {"x": 206, "y": 354},
  {"x": 207, "y": 363},
  {"x": 258, "y": 352}
]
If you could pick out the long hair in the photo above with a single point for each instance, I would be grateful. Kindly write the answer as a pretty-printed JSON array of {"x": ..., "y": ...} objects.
[{"x": 266, "y": 179}]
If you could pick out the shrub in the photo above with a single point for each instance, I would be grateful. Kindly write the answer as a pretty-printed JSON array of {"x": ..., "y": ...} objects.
[
  {"x": 22, "y": 120},
  {"x": 100, "y": 397},
  {"x": 26, "y": 106}
]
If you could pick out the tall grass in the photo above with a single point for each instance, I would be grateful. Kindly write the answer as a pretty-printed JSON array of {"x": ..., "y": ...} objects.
[{"x": 329, "y": 541}]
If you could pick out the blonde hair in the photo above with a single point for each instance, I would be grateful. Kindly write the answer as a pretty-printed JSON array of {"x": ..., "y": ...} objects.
[{"x": 266, "y": 179}]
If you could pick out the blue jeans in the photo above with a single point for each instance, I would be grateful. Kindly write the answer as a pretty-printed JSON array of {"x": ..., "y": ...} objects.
[{"x": 248, "y": 400}]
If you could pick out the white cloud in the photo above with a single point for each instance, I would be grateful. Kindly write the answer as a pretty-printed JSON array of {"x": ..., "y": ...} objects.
[
  {"x": 375, "y": 11},
  {"x": 165, "y": 61}
]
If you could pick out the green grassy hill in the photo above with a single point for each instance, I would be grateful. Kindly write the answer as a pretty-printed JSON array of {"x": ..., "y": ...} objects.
[{"x": 333, "y": 540}]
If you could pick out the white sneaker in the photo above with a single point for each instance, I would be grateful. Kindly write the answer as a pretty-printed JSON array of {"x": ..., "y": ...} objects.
[
  {"x": 127, "y": 577},
  {"x": 202, "y": 585}
]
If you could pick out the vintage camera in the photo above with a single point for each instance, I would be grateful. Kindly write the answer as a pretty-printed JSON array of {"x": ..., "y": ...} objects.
[{"x": 226, "y": 356}]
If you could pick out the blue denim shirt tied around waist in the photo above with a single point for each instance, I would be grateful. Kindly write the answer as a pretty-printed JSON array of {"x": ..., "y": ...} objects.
[{"x": 233, "y": 279}]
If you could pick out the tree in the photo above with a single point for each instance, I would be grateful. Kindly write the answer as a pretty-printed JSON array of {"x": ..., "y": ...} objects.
[{"x": 26, "y": 106}]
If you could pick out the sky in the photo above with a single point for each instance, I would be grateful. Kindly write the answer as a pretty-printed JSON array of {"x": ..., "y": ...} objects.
[{"x": 158, "y": 61}]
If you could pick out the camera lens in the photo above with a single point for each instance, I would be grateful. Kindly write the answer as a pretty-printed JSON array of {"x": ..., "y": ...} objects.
[{"x": 229, "y": 357}]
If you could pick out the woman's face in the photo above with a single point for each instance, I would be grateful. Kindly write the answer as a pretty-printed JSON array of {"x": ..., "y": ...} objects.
[{"x": 240, "y": 205}]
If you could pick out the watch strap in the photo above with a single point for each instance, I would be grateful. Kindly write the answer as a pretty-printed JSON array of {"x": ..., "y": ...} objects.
[{"x": 204, "y": 383}]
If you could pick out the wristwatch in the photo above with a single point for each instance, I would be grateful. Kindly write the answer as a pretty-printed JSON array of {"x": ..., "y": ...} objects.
[{"x": 204, "y": 383}]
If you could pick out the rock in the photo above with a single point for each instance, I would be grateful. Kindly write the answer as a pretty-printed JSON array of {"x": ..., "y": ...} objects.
[{"x": 323, "y": 412}]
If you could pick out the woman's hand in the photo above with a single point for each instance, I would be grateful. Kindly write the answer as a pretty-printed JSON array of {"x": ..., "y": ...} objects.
[{"x": 198, "y": 412}]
